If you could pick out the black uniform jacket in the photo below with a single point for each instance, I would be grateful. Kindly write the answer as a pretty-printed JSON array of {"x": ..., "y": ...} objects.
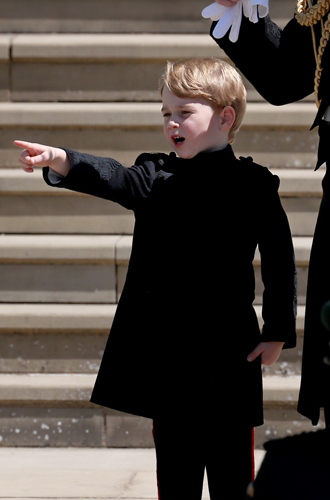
[
  {"x": 281, "y": 66},
  {"x": 185, "y": 322},
  {"x": 280, "y": 63}
]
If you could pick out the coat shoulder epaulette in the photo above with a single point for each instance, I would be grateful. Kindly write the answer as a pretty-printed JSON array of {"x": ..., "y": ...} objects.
[
  {"x": 259, "y": 172},
  {"x": 158, "y": 159}
]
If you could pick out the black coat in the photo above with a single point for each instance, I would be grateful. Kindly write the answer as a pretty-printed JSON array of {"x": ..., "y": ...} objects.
[
  {"x": 281, "y": 65},
  {"x": 185, "y": 321}
]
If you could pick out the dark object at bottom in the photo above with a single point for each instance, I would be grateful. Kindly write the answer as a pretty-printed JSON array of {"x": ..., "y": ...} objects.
[
  {"x": 325, "y": 315},
  {"x": 296, "y": 467}
]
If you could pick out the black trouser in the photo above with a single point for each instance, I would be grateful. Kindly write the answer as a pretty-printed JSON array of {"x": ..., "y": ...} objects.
[{"x": 185, "y": 447}]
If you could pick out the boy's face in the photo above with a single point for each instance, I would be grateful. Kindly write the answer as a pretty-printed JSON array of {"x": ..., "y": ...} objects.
[{"x": 191, "y": 125}]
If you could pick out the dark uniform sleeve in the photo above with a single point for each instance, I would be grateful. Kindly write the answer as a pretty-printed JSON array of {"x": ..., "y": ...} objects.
[
  {"x": 107, "y": 178},
  {"x": 278, "y": 268},
  {"x": 280, "y": 64}
]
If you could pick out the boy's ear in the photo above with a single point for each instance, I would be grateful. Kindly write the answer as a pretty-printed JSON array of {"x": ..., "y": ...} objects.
[{"x": 227, "y": 117}]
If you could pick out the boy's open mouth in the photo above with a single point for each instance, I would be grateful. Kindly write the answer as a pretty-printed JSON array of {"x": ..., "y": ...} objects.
[{"x": 177, "y": 139}]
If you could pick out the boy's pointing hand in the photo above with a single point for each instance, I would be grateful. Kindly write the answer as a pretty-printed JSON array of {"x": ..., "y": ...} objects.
[{"x": 40, "y": 155}]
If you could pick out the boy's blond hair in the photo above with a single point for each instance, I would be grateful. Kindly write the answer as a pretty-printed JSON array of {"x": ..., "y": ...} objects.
[{"x": 209, "y": 78}]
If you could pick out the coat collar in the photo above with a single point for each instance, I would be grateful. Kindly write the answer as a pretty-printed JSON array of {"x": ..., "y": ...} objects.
[{"x": 213, "y": 158}]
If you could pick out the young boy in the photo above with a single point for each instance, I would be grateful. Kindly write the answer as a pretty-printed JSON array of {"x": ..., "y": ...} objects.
[{"x": 185, "y": 346}]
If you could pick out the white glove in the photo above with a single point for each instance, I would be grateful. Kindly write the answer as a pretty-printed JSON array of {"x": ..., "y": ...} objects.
[{"x": 232, "y": 16}]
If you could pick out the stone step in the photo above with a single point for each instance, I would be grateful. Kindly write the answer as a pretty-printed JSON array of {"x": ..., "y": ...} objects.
[
  {"x": 54, "y": 410},
  {"x": 29, "y": 205},
  {"x": 92, "y": 67},
  {"x": 134, "y": 115},
  {"x": 97, "y": 67},
  {"x": 56, "y": 319},
  {"x": 87, "y": 268},
  {"x": 70, "y": 338},
  {"x": 123, "y": 130},
  {"x": 46, "y": 268},
  {"x": 61, "y": 319},
  {"x": 109, "y": 16}
]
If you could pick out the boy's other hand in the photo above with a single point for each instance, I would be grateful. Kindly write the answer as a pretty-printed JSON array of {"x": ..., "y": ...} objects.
[
  {"x": 227, "y": 3},
  {"x": 40, "y": 155},
  {"x": 269, "y": 351}
]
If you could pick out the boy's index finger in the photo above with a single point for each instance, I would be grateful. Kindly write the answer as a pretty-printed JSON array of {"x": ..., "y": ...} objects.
[
  {"x": 31, "y": 147},
  {"x": 22, "y": 144}
]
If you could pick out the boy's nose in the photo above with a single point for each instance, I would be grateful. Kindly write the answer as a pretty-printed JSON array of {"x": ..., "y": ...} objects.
[{"x": 173, "y": 124}]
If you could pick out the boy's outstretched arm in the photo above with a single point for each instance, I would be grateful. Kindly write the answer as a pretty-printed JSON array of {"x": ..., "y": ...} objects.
[
  {"x": 94, "y": 175},
  {"x": 269, "y": 351},
  {"x": 40, "y": 155}
]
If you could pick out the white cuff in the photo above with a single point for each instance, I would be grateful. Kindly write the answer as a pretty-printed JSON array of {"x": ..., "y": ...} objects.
[
  {"x": 54, "y": 177},
  {"x": 232, "y": 16}
]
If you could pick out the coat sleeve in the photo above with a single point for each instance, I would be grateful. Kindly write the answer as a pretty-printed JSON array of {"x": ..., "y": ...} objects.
[
  {"x": 278, "y": 268},
  {"x": 107, "y": 178},
  {"x": 280, "y": 64}
]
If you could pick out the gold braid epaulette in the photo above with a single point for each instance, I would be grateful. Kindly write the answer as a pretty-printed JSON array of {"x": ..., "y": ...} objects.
[{"x": 309, "y": 16}]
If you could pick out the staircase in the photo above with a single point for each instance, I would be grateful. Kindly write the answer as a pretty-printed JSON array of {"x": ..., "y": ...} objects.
[{"x": 83, "y": 74}]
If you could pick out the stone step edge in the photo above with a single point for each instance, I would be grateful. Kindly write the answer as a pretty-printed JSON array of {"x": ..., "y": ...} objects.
[
  {"x": 138, "y": 115},
  {"x": 101, "y": 47},
  {"x": 84, "y": 47},
  {"x": 114, "y": 24},
  {"x": 79, "y": 249},
  {"x": 56, "y": 318},
  {"x": 75, "y": 318},
  {"x": 98, "y": 249},
  {"x": 75, "y": 390},
  {"x": 296, "y": 182}
]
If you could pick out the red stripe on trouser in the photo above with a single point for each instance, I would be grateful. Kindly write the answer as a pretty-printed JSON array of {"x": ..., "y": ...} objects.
[{"x": 252, "y": 454}]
